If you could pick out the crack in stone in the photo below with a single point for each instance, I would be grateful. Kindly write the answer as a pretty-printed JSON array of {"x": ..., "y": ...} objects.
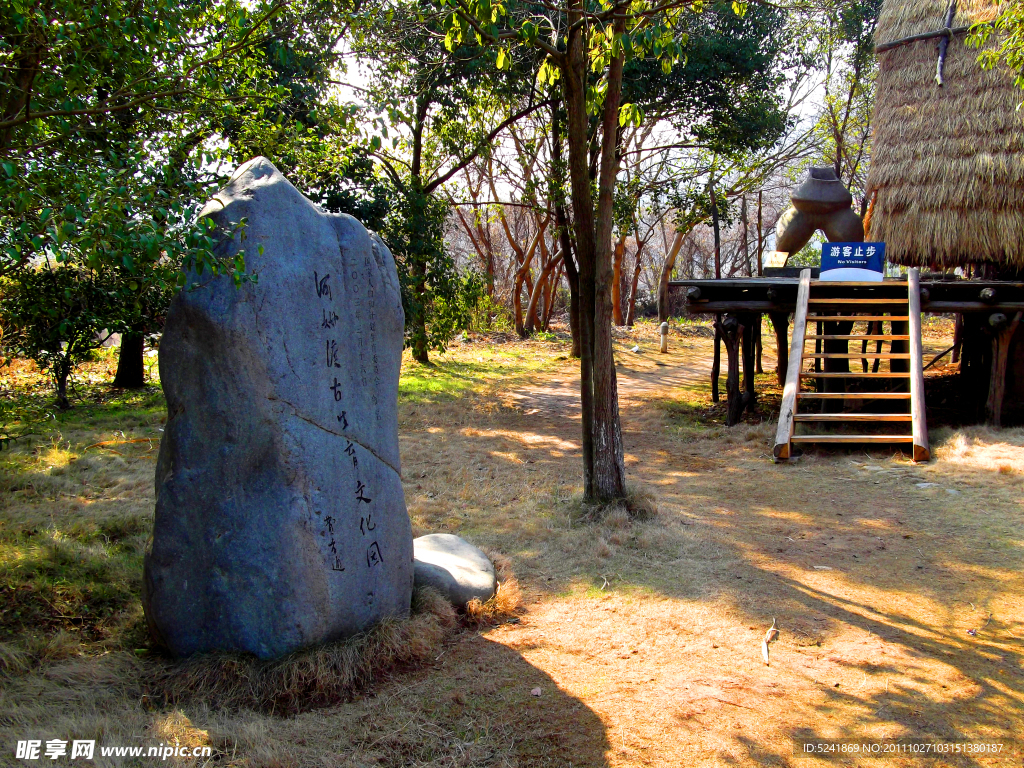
[{"x": 345, "y": 435}]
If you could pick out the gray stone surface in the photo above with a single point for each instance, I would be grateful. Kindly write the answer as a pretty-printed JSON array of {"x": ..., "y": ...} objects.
[
  {"x": 454, "y": 567},
  {"x": 280, "y": 517}
]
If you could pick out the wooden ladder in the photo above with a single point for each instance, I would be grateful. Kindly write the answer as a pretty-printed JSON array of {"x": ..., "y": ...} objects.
[{"x": 822, "y": 309}]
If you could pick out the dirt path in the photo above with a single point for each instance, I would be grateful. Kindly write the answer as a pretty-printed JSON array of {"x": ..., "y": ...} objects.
[
  {"x": 686, "y": 366},
  {"x": 873, "y": 568}
]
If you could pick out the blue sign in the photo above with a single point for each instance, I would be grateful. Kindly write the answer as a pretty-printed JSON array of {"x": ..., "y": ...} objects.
[{"x": 852, "y": 261}]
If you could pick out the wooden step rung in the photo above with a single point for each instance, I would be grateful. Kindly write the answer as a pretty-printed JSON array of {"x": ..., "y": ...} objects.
[
  {"x": 873, "y": 284},
  {"x": 853, "y": 395},
  {"x": 852, "y": 439},
  {"x": 853, "y": 375},
  {"x": 860, "y": 355},
  {"x": 843, "y": 417},
  {"x": 855, "y": 318},
  {"x": 860, "y": 337},
  {"x": 857, "y": 301}
]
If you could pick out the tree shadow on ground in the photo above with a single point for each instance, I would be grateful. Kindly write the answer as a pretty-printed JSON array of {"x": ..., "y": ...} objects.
[{"x": 873, "y": 579}]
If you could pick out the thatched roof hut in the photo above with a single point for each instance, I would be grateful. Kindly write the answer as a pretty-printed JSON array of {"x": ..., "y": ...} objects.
[{"x": 946, "y": 183}]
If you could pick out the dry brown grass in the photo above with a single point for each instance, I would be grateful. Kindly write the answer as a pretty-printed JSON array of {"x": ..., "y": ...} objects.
[
  {"x": 309, "y": 679},
  {"x": 641, "y": 636},
  {"x": 504, "y": 603}
]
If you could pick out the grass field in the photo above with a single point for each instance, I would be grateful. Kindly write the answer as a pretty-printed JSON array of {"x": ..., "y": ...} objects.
[{"x": 637, "y": 642}]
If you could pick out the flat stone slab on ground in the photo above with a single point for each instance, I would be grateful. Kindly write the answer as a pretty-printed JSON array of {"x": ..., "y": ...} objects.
[{"x": 454, "y": 567}]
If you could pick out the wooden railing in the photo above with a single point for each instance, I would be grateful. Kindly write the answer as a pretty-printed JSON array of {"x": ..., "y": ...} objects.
[
  {"x": 917, "y": 407},
  {"x": 796, "y": 364}
]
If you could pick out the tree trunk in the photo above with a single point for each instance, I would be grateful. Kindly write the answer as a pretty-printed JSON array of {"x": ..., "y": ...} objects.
[
  {"x": 538, "y": 289},
  {"x": 418, "y": 320},
  {"x": 523, "y": 277},
  {"x": 604, "y": 467},
  {"x": 958, "y": 338},
  {"x": 551, "y": 296},
  {"x": 666, "y": 274},
  {"x": 620, "y": 250},
  {"x": 572, "y": 275},
  {"x": 718, "y": 234},
  {"x": 635, "y": 284},
  {"x": 760, "y": 259},
  {"x": 131, "y": 371},
  {"x": 61, "y": 372},
  {"x": 746, "y": 239}
]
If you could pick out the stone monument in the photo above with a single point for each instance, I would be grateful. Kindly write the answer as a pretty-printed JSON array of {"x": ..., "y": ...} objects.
[{"x": 280, "y": 517}]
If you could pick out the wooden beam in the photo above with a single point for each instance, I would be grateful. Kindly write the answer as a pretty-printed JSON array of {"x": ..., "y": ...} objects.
[
  {"x": 853, "y": 375},
  {"x": 859, "y": 355},
  {"x": 784, "y": 434},
  {"x": 853, "y": 439},
  {"x": 843, "y": 417},
  {"x": 919, "y": 425},
  {"x": 734, "y": 306},
  {"x": 942, "y": 307},
  {"x": 945, "y": 32},
  {"x": 853, "y": 395},
  {"x": 858, "y": 337}
]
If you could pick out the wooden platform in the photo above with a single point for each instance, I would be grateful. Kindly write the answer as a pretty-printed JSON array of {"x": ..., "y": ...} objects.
[{"x": 778, "y": 294}]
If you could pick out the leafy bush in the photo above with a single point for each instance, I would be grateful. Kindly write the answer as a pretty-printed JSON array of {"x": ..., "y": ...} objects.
[{"x": 54, "y": 315}]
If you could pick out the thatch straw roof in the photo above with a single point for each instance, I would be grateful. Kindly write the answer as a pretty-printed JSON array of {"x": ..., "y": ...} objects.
[{"x": 946, "y": 183}]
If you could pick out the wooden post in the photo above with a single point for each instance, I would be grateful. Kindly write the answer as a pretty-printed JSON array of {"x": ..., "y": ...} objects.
[
  {"x": 958, "y": 337},
  {"x": 796, "y": 357},
  {"x": 730, "y": 329},
  {"x": 780, "y": 322},
  {"x": 716, "y": 361},
  {"x": 749, "y": 343},
  {"x": 975, "y": 364},
  {"x": 917, "y": 406},
  {"x": 1000, "y": 351},
  {"x": 758, "y": 367}
]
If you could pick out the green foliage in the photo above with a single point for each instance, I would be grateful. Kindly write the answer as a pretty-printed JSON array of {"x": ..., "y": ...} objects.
[
  {"x": 54, "y": 315},
  {"x": 724, "y": 95},
  {"x": 841, "y": 44},
  {"x": 489, "y": 315},
  {"x": 432, "y": 287},
  {"x": 1008, "y": 46},
  {"x": 72, "y": 68},
  {"x": 90, "y": 93},
  {"x": 433, "y": 105},
  {"x": 809, "y": 255}
]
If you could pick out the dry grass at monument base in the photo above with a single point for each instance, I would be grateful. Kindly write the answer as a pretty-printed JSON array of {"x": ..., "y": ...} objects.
[{"x": 638, "y": 637}]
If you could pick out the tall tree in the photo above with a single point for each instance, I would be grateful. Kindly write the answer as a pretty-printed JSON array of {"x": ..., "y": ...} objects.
[
  {"x": 586, "y": 46},
  {"x": 439, "y": 108}
]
